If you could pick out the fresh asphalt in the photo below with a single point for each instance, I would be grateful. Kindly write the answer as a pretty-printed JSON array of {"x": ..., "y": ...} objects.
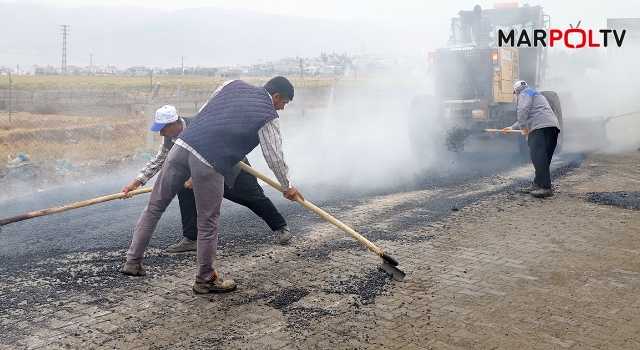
[{"x": 109, "y": 226}]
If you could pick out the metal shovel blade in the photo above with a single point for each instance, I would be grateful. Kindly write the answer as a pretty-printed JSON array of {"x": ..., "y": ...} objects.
[{"x": 395, "y": 272}]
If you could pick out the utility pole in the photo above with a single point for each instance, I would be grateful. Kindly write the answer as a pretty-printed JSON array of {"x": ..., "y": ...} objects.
[
  {"x": 301, "y": 70},
  {"x": 64, "y": 49},
  {"x": 91, "y": 64},
  {"x": 10, "y": 88},
  {"x": 179, "y": 92},
  {"x": 182, "y": 65},
  {"x": 362, "y": 48}
]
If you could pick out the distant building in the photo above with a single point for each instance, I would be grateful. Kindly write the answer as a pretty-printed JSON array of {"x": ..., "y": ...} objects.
[
  {"x": 142, "y": 71},
  {"x": 75, "y": 70},
  {"x": 50, "y": 70},
  {"x": 228, "y": 72},
  {"x": 131, "y": 71},
  {"x": 108, "y": 70},
  {"x": 325, "y": 65},
  {"x": 35, "y": 70}
]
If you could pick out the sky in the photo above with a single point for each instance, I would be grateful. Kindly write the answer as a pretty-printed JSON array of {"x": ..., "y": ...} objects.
[
  {"x": 412, "y": 27},
  {"x": 400, "y": 12}
]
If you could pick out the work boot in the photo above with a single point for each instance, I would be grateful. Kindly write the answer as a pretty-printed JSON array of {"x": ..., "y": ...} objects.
[
  {"x": 542, "y": 193},
  {"x": 185, "y": 245},
  {"x": 133, "y": 269},
  {"x": 215, "y": 285},
  {"x": 533, "y": 187},
  {"x": 284, "y": 235}
]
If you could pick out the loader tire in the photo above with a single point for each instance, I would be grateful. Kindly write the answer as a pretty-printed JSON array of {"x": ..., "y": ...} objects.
[{"x": 556, "y": 107}]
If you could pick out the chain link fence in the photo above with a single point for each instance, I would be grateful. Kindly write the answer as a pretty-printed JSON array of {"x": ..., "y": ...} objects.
[
  {"x": 55, "y": 134},
  {"x": 87, "y": 120}
]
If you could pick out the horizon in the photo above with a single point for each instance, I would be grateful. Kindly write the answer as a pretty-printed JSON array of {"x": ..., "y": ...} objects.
[{"x": 407, "y": 29}]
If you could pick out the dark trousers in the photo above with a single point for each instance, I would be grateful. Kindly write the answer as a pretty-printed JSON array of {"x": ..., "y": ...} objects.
[
  {"x": 245, "y": 192},
  {"x": 542, "y": 144}
]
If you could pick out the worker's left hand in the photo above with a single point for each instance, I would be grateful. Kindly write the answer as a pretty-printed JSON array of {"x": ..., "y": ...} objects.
[
  {"x": 189, "y": 183},
  {"x": 130, "y": 187},
  {"x": 504, "y": 131},
  {"x": 292, "y": 194},
  {"x": 525, "y": 132}
]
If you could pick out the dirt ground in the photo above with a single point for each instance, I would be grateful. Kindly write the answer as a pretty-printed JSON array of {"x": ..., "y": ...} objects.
[{"x": 507, "y": 272}]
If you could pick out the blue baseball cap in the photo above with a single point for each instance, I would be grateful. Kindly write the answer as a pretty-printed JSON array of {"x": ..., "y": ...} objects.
[{"x": 164, "y": 115}]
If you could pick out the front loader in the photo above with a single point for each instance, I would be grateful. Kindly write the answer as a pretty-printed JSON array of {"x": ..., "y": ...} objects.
[{"x": 474, "y": 78}]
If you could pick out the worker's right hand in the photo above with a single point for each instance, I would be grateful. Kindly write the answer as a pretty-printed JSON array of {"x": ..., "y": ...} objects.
[
  {"x": 504, "y": 131},
  {"x": 292, "y": 194},
  {"x": 130, "y": 187}
]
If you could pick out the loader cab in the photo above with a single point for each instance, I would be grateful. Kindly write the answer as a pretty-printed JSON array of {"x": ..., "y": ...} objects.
[{"x": 481, "y": 27}]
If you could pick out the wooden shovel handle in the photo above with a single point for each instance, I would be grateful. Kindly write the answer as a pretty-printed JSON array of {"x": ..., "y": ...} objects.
[
  {"x": 322, "y": 214},
  {"x": 43, "y": 212},
  {"x": 500, "y": 130}
]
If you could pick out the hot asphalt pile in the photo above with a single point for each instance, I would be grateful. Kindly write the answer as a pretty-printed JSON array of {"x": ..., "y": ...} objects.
[{"x": 622, "y": 199}]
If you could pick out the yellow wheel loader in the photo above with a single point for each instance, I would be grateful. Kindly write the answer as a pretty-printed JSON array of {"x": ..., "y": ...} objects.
[{"x": 474, "y": 78}]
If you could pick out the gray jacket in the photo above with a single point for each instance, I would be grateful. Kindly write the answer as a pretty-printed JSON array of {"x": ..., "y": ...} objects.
[{"x": 534, "y": 112}]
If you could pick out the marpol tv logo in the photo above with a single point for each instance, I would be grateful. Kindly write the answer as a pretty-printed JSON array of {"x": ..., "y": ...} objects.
[{"x": 573, "y": 38}]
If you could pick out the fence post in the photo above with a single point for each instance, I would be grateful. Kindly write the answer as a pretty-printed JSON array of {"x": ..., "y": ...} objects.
[
  {"x": 10, "y": 106},
  {"x": 151, "y": 113},
  {"x": 355, "y": 84},
  {"x": 333, "y": 90}
]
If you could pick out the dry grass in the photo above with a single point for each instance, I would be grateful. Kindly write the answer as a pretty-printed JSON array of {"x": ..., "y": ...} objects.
[
  {"x": 115, "y": 80},
  {"x": 45, "y": 136},
  {"x": 125, "y": 81},
  {"x": 78, "y": 137}
]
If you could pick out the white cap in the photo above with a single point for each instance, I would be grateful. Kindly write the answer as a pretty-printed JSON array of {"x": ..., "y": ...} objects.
[
  {"x": 518, "y": 84},
  {"x": 164, "y": 115}
]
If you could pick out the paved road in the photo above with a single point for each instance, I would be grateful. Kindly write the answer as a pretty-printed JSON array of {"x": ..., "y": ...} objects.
[
  {"x": 109, "y": 225},
  {"x": 61, "y": 269}
]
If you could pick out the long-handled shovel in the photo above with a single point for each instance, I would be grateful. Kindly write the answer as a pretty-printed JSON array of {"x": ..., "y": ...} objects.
[
  {"x": 61, "y": 208},
  {"x": 388, "y": 264},
  {"x": 500, "y": 130}
]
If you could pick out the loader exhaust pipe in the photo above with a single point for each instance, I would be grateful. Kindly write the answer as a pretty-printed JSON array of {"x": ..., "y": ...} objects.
[{"x": 477, "y": 10}]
